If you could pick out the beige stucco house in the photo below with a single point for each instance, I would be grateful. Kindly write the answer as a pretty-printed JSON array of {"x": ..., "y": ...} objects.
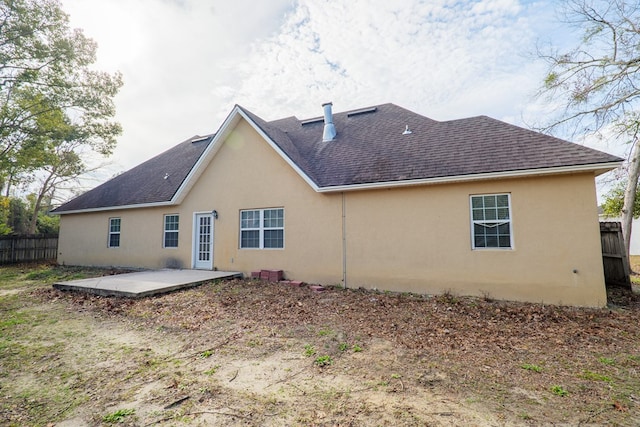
[{"x": 379, "y": 197}]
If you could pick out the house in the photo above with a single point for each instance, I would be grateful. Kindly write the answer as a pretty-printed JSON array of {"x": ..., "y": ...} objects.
[{"x": 379, "y": 197}]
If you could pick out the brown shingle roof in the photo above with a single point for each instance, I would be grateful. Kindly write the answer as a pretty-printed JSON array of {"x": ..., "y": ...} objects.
[
  {"x": 369, "y": 148},
  {"x": 146, "y": 182}
]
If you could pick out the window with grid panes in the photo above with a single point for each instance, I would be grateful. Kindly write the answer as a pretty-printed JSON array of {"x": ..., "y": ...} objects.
[
  {"x": 114, "y": 232},
  {"x": 491, "y": 221},
  {"x": 171, "y": 224},
  {"x": 262, "y": 229}
]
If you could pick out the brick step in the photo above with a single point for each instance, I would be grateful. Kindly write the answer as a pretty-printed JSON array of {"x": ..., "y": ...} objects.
[{"x": 277, "y": 276}]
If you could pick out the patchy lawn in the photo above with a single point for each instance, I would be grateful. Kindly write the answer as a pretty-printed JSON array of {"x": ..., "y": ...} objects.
[{"x": 250, "y": 353}]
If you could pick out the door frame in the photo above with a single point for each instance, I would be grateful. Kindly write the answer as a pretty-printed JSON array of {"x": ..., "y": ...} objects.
[{"x": 195, "y": 239}]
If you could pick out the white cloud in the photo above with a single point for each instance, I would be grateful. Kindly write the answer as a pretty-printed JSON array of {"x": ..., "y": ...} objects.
[
  {"x": 174, "y": 55},
  {"x": 446, "y": 60},
  {"x": 187, "y": 62}
]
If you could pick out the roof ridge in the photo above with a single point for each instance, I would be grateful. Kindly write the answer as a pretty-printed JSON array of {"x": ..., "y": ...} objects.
[{"x": 314, "y": 119}]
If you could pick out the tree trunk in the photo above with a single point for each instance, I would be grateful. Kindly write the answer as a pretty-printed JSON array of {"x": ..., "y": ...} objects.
[
  {"x": 8, "y": 184},
  {"x": 33, "y": 224},
  {"x": 630, "y": 195}
]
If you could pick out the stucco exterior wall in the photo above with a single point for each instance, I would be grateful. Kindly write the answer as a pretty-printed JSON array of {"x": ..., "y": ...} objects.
[
  {"x": 419, "y": 240},
  {"x": 245, "y": 173},
  {"x": 414, "y": 239},
  {"x": 84, "y": 240}
]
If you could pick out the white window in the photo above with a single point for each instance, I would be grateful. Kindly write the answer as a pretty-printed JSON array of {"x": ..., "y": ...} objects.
[
  {"x": 171, "y": 223},
  {"x": 491, "y": 221},
  {"x": 262, "y": 229},
  {"x": 114, "y": 232}
]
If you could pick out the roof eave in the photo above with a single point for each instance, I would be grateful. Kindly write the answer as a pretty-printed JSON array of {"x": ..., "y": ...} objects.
[
  {"x": 597, "y": 169},
  {"x": 205, "y": 157},
  {"x": 115, "y": 208},
  {"x": 278, "y": 150}
]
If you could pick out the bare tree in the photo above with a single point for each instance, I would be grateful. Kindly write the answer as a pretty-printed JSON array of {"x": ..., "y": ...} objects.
[{"x": 598, "y": 81}]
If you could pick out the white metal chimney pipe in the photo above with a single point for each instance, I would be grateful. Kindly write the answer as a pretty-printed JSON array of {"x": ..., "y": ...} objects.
[{"x": 329, "y": 132}]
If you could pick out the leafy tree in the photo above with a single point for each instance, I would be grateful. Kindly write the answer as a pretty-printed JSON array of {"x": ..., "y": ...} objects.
[
  {"x": 4, "y": 216},
  {"x": 63, "y": 165},
  {"x": 41, "y": 222},
  {"x": 48, "y": 224},
  {"x": 598, "y": 82},
  {"x": 55, "y": 109},
  {"x": 16, "y": 216},
  {"x": 614, "y": 201},
  {"x": 19, "y": 216}
]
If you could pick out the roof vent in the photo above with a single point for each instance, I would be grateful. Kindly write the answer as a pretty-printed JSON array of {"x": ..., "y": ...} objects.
[
  {"x": 329, "y": 132},
  {"x": 199, "y": 138},
  {"x": 407, "y": 131},
  {"x": 362, "y": 111},
  {"x": 310, "y": 121}
]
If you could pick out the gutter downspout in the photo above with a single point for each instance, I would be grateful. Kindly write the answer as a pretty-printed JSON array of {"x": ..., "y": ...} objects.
[{"x": 344, "y": 241}]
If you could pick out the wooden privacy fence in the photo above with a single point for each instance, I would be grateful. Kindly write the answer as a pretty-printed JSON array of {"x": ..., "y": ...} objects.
[
  {"x": 15, "y": 249},
  {"x": 614, "y": 255}
]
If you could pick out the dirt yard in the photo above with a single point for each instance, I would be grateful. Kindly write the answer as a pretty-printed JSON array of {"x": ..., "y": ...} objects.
[{"x": 257, "y": 354}]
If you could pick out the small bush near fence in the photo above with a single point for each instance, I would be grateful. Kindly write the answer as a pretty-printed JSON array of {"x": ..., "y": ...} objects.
[{"x": 15, "y": 249}]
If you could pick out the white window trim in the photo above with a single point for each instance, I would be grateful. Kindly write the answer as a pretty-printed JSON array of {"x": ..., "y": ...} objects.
[
  {"x": 119, "y": 233},
  {"x": 472, "y": 222},
  {"x": 165, "y": 231},
  {"x": 261, "y": 229}
]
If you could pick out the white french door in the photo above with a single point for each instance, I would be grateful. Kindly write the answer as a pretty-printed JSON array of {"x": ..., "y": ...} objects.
[{"x": 203, "y": 241}]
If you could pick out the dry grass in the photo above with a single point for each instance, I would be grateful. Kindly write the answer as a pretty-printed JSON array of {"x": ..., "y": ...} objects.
[{"x": 249, "y": 353}]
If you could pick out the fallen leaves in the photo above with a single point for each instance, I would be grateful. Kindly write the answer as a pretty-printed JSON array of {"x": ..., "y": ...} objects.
[{"x": 472, "y": 345}]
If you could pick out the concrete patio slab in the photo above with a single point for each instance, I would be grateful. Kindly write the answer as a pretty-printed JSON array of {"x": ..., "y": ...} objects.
[{"x": 144, "y": 283}]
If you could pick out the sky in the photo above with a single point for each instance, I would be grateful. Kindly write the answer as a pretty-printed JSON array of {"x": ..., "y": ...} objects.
[{"x": 186, "y": 63}]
